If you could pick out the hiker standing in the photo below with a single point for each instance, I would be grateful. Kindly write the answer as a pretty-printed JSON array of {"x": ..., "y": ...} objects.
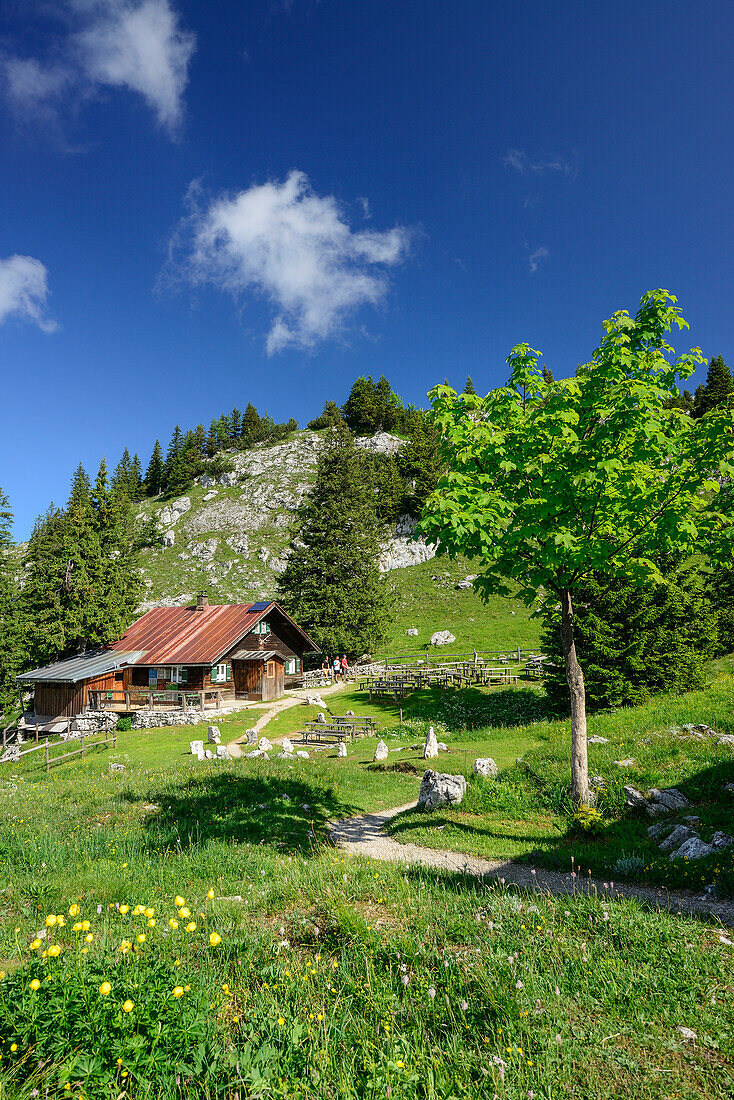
[
  {"x": 337, "y": 669},
  {"x": 345, "y": 666}
]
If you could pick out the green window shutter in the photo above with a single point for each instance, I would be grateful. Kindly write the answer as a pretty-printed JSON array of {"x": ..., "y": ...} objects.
[
  {"x": 229, "y": 672},
  {"x": 213, "y": 673},
  {"x": 184, "y": 675}
]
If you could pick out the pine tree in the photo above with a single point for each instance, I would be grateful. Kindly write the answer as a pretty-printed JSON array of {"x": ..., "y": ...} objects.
[
  {"x": 235, "y": 424},
  {"x": 548, "y": 375},
  {"x": 154, "y": 475},
  {"x": 122, "y": 474},
  {"x": 330, "y": 416},
  {"x": 361, "y": 410},
  {"x": 136, "y": 478},
  {"x": 250, "y": 425},
  {"x": 331, "y": 584},
  {"x": 469, "y": 387},
  {"x": 717, "y": 389}
]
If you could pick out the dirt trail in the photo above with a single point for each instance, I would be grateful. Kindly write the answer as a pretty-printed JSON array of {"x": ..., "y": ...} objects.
[
  {"x": 364, "y": 836},
  {"x": 235, "y": 747}
]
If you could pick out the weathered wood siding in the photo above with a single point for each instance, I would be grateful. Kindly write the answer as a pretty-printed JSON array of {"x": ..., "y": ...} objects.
[{"x": 58, "y": 700}]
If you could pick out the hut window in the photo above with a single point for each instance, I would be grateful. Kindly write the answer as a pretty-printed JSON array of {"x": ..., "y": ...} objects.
[
  {"x": 261, "y": 628},
  {"x": 152, "y": 676},
  {"x": 290, "y": 665},
  {"x": 270, "y": 669},
  {"x": 221, "y": 673},
  {"x": 179, "y": 674}
]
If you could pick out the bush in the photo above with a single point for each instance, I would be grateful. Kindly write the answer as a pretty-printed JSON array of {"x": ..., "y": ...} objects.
[
  {"x": 124, "y": 724},
  {"x": 588, "y": 820}
]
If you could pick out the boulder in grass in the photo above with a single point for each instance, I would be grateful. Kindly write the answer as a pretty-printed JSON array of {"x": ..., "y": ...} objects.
[
  {"x": 208, "y": 754},
  {"x": 197, "y": 749},
  {"x": 430, "y": 749},
  {"x": 303, "y": 754},
  {"x": 254, "y": 753},
  {"x": 634, "y": 799},
  {"x": 285, "y": 756},
  {"x": 721, "y": 840},
  {"x": 342, "y": 749},
  {"x": 693, "y": 848},
  {"x": 287, "y": 745},
  {"x": 673, "y": 842},
  {"x": 264, "y": 745},
  {"x": 486, "y": 766},
  {"x": 672, "y": 798},
  {"x": 442, "y": 637},
  {"x": 381, "y": 751},
  {"x": 251, "y": 736},
  {"x": 213, "y": 735},
  {"x": 223, "y": 753},
  {"x": 440, "y": 790},
  {"x": 597, "y": 740}
]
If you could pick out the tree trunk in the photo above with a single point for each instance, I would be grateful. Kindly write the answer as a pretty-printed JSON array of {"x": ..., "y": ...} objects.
[{"x": 577, "y": 691}]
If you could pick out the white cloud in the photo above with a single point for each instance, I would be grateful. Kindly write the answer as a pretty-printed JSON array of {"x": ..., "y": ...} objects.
[
  {"x": 293, "y": 247},
  {"x": 24, "y": 290},
  {"x": 536, "y": 258},
  {"x": 519, "y": 161},
  {"x": 134, "y": 44}
]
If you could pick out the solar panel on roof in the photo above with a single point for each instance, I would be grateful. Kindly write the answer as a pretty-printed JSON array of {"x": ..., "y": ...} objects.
[{"x": 262, "y": 606}]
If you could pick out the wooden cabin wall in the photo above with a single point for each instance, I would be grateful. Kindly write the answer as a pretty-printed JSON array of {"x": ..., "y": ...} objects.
[{"x": 57, "y": 700}]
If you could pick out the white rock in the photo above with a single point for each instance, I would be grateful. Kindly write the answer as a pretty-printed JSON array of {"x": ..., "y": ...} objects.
[
  {"x": 251, "y": 736},
  {"x": 287, "y": 745},
  {"x": 399, "y": 553},
  {"x": 626, "y": 763},
  {"x": 380, "y": 442},
  {"x": 412, "y": 631},
  {"x": 206, "y": 481},
  {"x": 303, "y": 754},
  {"x": 342, "y": 749},
  {"x": 316, "y": 701},
  {"x": 197, "y": 749},
  {"x": 210, "y": 495},
  {"x": 169, "y": 538},
  {"x": 208, "y": 754},
  {"x": 441, "y": 790},
  {"x": 285, "y": 756},
  {"x": 430, "y": 749},
  {"x": 171, "y": 513},
  {"x": 486, "y": 766},
  {"x": 597, "y": 740},
  {"x": 442, "y": 637},
  {"x": 381, "y": 751},
  {"x": 688, "y": 1032},
  {"x": 214, "y": 735},
  {"x": 721, "y": 840},
  {"x": 223, "y": 753},
  {"x": 255, "y": 752},
  {"x": 464, "y": 585},
  {"x": 442, "y": 746},
  {"x": 229, "y": 479},
  {"x": 264, "y": 745}
]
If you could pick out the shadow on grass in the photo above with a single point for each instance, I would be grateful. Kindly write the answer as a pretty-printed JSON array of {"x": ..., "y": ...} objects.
[
  {"x": 281, "y": 812},
  {"x": 468, "y": 708},
  {"x": 404, "y": 825}
]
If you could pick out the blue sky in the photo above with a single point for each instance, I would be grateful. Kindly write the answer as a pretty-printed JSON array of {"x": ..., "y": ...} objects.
[{"x": 207, "y": 204}]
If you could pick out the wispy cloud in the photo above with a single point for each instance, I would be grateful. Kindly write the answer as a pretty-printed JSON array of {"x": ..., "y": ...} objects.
[
  {"x": 519, "y": 161},
  {"x": 24, "y": 291},
  {"x": 535, "y": 259},
  {"x": 139, "y": 45},
  {"x": 293, "y": 247}
]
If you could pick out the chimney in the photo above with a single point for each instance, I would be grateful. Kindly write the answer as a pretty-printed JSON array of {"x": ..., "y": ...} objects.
[{"x": 202, "y": 602}]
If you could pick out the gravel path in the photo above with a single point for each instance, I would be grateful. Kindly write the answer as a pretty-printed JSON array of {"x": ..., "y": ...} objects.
[
  {"x": 235, "y": 747},
  {"x": 364, "y": 836}
]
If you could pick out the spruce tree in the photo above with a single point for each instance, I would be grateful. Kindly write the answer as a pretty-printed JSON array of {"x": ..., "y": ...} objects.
[
  {"x": 10, "y": 638},
  {"x": 154, "y": 475},
  {"x": 136, "y": 478},
  {"x": 331, "y": 416},
  {"x": 469, "y": 387},
  {"x": 331, "y": 584},
  {"x": 717, "y": 390},
  {"x": 250, "y": 425},
  {"x": 634, "y": 642}
]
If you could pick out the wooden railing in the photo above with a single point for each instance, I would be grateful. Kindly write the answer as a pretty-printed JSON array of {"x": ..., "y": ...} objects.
[
  {"x": 85, "y": 744},
  {"x": 147, "y": 700}
]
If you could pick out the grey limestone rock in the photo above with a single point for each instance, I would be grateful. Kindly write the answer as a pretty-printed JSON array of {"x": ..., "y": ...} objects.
[
  {"x": 303, "y": 754},
  {"x": 656, "y": 831},
  {"x": 342, "y": 749},
  {"x": 285, "y": 756},
  {"x": 656, "y": 809},
  {"x": 438, "y": 789},
  {"x": 254, "y": 753},
  {"x": 264, "y": 745},
  {"x": 209, "y": 755},
  {"x": 679, "y": 834},
  {"x": 721, "y": 840},
  {"x": 597, "y": 740},
  {"x": 251, "y": 736},
  {"x": 222, "y": 753},
  {"x": 381, "y": 751},
  {"x": 671, "y": 797},
  {"x": 197, "y": 749},
  {"x": 693, "y": 848},
  {"x": 213, "y": 735},
  {"x": 634, "y": 799},
  {"x": 287, "y": 745},
  {"x": 169, "y": 538},
  {"x": 442, "y": 637},
  {"x": 430, "y": 749},
  {"x": 486, "y": 766},
  {"x": 412, "y": 631}
]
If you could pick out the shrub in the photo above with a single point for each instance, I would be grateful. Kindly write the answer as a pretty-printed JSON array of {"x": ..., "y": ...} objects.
[
  {"x": 588, "y": 820},
  {"x": 124, "y": 724},
  {"x": 630, "y": 865}
]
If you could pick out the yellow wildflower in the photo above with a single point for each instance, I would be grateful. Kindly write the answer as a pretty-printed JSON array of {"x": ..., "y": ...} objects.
[
  {"x": 105, "y": 989},
  {"x": 178, "y": 991},
  {"x": 54, "y": 950},
  {"x": 128, "y": 1006},
  {"x": 215, "y": 939},
  {"x": 210, "y": 895},
  {"x": 74, "y": 910},
  {"x": 173, "y": 924},
  {"x": 149, "y": 911},
  {"x": 184, "y": 913},
  {"x": 179, "y": 901},
  {"x": 124, "y": 909},
  {"x": 35, "y": 945},
  {"x": 140, "y": 937},
  {"x": 50, "y": 920},
  {"x": 35, "y": 984},
  {"x": 88, "y": 938},
  {"x": 151, "y": 922},
  {"x": 191, "y": 926}
]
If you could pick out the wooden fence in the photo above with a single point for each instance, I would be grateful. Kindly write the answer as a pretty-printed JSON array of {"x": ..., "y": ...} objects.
[{"x": 86, "y": 743}]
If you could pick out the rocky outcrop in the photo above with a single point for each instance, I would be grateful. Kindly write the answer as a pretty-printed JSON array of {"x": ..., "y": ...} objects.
[
  {"x": 442, "y": 637},
  {"x": 486, "y": 767}
]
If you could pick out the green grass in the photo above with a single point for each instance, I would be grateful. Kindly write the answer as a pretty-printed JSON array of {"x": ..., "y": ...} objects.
[
  {"x": 335, "y": 977},
  {"x": 425, "y": 596}
]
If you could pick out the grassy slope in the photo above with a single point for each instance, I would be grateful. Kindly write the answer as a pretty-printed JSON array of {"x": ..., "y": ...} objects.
[{"x": 412, "y": 981}]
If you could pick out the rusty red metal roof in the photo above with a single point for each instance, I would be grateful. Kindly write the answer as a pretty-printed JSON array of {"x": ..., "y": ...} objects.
[{"x": 185, "y": 636}]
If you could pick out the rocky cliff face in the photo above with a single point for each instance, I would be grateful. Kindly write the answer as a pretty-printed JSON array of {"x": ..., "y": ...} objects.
[{"x": 231, "y": 537}]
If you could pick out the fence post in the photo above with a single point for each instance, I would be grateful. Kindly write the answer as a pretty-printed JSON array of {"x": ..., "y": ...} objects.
[
  {"x": 127, "y": 700},
  {"x": 114, "y": 738},
  {"x": 81, "y": 742},
  {"x": 47, "y": 754}
]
